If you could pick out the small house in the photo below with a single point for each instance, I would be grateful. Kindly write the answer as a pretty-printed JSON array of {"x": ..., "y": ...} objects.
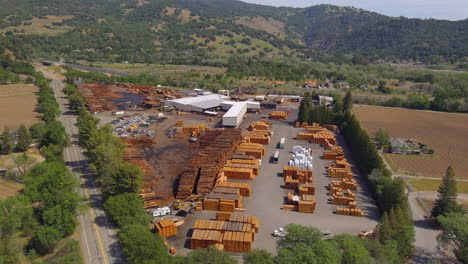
[{"x": 399, "y": 145}]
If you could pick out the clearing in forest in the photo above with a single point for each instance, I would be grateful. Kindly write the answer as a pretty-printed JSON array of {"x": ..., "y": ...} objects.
[{"x": 18, "y": 105}]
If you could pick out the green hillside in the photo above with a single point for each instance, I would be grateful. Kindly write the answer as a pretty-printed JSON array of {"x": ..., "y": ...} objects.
[{"x": 212, "y": 31}]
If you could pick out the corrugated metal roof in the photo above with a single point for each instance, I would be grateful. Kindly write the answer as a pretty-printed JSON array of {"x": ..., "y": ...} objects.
[
  {"x": 235, "y": 110},
  {"x": 207, "y": 104},
  {"x": 192, "y": 100}
]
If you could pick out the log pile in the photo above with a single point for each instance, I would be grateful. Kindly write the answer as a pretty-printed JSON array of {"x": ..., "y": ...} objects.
[
  {"x": 132, "y": 155},
  {"x": 216, "y": 146}
]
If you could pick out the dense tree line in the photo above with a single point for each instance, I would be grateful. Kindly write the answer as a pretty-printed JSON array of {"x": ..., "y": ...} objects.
[
  {"x": 45, "y": 211},
  {"x": 395, "y": 229}
]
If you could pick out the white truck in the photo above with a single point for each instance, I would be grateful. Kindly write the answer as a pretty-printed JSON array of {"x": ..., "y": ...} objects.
[
  {"x": 161, "y": 211},
  {"x": 281, "y": 143}
]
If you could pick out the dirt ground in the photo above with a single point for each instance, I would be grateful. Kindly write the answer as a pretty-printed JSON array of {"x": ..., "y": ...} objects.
[
  {"x": 444, "y": 132},
  {"x": 18, "y": 105},
  {"x": 268, "y": 196}
]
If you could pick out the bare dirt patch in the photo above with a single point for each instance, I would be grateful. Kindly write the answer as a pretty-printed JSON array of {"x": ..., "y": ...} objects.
[
  {"x": 18, "y": 105},
  {"x": 446, "y": 133}
]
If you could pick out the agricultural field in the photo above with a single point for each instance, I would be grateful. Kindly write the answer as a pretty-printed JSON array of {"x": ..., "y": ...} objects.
[
  {"x": 433, "y": 185},
  {"x": 40, "y": 26},
  {"x": 18, "y": 105},
  {"x": 444, "y": 132}
]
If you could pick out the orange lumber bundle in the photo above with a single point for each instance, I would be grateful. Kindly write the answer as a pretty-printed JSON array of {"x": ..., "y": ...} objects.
[
  {"x": 342, "y": 164},
  {"x": 340, "y": 173},
  {"x": 166, "y": 227},
  {"x": 306, "y": 188},
  {"x": 302, "y": 175},
  {"x": 209, "y": 225},
  {"x": 304, "y": 136},
  {"x": 279, "y": 115},
  {"x": 245, "y": 161},
  {"x": 223, "y": 216},
  {"x": 290, "y": 183},
  {"x": 237, "y": 241},
  {"x": 289, "y": 207},
  {"x": 243, "y": 166},
  {"x": 211, "y": 204},
  {"x": 252, "y": 220},
  {"x": 205, "y": 238},
  {"x": 226, "y": 190},
  {"x": 331, "y": 155},
  {"x": 239, "y": 173},
  {"x": 244, "y": 188},
  {"x": 257, "y": 139},
  {"x": 259, "y": 125},
  {"x": 341, "y": 200},
  {"x": 226, "y": 198},
  {"x": 345, "y": 183},
  {"x": 349, "y": 211},
  {"x": 306, "y": 206}
]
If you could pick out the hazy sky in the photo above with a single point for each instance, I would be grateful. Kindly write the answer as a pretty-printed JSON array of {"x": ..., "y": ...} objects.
[{"x": 439, "y": 9}]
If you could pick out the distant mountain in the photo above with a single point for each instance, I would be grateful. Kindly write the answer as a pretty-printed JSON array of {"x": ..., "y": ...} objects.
[{"x": 211, "y": 31}]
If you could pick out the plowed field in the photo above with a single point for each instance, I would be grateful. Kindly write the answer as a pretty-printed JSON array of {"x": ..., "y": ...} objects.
[
  {"x": 18, "y": 105},
  {"x": 446, "y": 133}
]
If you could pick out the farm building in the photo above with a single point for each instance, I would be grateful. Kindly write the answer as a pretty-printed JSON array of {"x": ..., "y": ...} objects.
[
  {"x": 235, "y": 115},
  {"x": 196, "y": 104},
  {"x": 399, "y": 145}
]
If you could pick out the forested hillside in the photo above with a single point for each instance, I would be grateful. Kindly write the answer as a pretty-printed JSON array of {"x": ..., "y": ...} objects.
[{"x": 212, "y": 31}]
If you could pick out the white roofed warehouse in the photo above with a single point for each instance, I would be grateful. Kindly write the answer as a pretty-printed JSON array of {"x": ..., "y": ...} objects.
[
  {"x": 235, "y": 115},
  {"x": 196, "y": 104}
]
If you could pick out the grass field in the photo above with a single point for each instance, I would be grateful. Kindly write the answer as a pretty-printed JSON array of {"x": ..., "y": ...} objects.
[
  {"x": 433, "y": 185},
  {"x": 446, "y": 133},
  {"x": 18, "y": 105},
  {"x": 41, "y": 26},
  {"x": 165, "y": 70},
  {"x": 9, "y": 188}
]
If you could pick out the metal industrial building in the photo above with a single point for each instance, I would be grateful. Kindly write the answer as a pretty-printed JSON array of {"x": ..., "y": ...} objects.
[
  {"x": 235, "y": 115},
  {"x": 196, "y": 104}
]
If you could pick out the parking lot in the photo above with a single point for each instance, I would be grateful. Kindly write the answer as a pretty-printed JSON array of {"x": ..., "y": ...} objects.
[{"x": 268, "y": 194}]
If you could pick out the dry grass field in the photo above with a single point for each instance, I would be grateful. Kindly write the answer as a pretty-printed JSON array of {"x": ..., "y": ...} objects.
[
  {"x": 40, "y": 26},
  {"x": 433, "y": 185},
  {"x": 18, "y": 105},
  {"x": 446, "y": 133}
]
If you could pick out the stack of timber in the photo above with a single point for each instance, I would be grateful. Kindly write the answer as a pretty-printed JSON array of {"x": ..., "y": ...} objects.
[
  {"x": 342, "y": 200},
  {"x": 306, "y": 188},
  {"x": 306, "y": 206},
  {"x": 252, "y": 167},
  {"x": 279, "y": 115},
  {"x": 166, "y": 227},
  {"x": 260, "y": 125},
  {"x": 132, "y": 155},
  {"x": 302, "y": 175},
  {"x": 234, "y": 232},
  {"x": 304, "y": 203},
  {"x": 237, "y": 241},
  {"x": 216, "y": 146},
  {"x": 344, "y": 173},
  {"x": 332, "y": 155},
  {"x": 331, "y": 127},
  {"x": 226, "y": 190},
  {"x": 243, "y": 187},
  {"x": 251, "y": 149},
  {"x": 205, "y": 238},
  {"x": 345, "y": 183},
  {"x": 349, "y": 211},
  {"x": 198, "y": 128},
  {"x": 222, "y": 202}
]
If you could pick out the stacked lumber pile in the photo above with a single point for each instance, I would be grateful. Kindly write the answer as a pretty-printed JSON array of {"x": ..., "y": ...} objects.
[
  {"x": 302, "y": 175},
  {"x": 305, "y": 136},
  {"x": 254, "y": 169},
  {"x": 306, "y": 188},
  {"x": 234, "y": 232},
  {"x": 345, "y": 173},
  {"x": 198, "y": 128},
  {"x": 259, "y": 125},
  {"x": 132, "y": 155},
  {"x": 345, "y": 183},
  {"x": 237, "y": 241},
  {"x": 261, "y": 137},
  {"x": 239, "y": 173},
  {"x": 302, "y": 203},
  {"x": 251, "y": 149},
  {"x": 332, "y": 155},
  {"x": 349, "y": 211},
  {"x": 226, "y": 190},
  {"x": 243, "y": 187},
  {"x": 222, "y": 202},
  {"x": 165, "y": 227},
  {"x": 279, "y": 115},
  {"x": 216, "y": 146},
  {"x": 205, "y": 238},
  {"x": 331, "y": 127}
]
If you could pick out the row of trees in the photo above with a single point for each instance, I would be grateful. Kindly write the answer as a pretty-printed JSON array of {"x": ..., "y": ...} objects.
[
  {"x": 395, "y": 231},
  {"x": 45, "y": 211}
]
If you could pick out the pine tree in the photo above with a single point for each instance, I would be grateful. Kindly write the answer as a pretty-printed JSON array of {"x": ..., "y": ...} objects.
[
  {"x": 384, "y": 229},
  {"x": 6, "y": 142},
  {"x": 447, "y": 201},
  {"x": 24, "y": 139},
  {"x": 347, "y": 102}
]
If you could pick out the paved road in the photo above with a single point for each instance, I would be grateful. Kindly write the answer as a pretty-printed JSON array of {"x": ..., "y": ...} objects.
[{"x": 97, "y": 236}]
